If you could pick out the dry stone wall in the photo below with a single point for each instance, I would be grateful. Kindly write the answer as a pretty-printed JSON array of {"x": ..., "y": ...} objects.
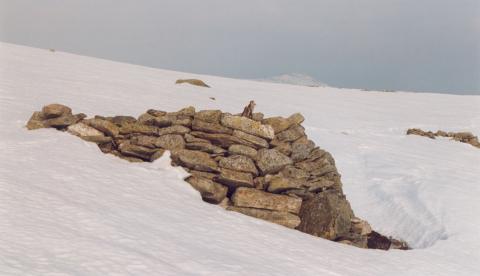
[
  {"x": 464, "y": 137},
  {"x": 266, "y": 168}
]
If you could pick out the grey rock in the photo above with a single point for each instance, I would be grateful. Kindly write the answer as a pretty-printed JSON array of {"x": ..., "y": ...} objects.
[
  {"x": 239, "y": 163},
  {"x": 271, "y": 161},
  {"x": 248, "y": 125}
]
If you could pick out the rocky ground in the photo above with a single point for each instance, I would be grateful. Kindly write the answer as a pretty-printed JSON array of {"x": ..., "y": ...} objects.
[
  {"x": 261, "y": 167},
  {"x": 464, "y": 137}
]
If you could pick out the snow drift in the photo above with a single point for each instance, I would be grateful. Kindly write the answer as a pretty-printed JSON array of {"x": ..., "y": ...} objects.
[{"x": 67, "y": 209}]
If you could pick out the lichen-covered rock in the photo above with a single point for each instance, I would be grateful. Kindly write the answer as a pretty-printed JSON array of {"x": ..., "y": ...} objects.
[
  {"x": 205, "y": 147},
  {"x": 187, "y": 111},
  {"x": 200, "y": 125},
  {"x": 271, "y": 161},
  {"x": 278, "y": 184},
  {"x": 253, "y": 198},
  {"x": 156, "y": 113},
  {"x": 234, "y": 179},
  {"x": 327, "y": 215},
  {"x": 55, "y": 110},
  {"x": 211, "y": 191},
  {"x": 293, "y": 133},
  {"x": 121, "y": 120},
  {"x": 82, "y": 130},
  {"x": 175, "y": 129},
  {"x": 243, "y": 150},
  {"x": 129, "y": 128},
  {"x": 253, "y": 140},
  {"x": 63, "y": 121},
  {"x": 128, "y": 149},
  {"x": 222, "y": 140},
  {"x": 296, "y": 119},
  {"x": 209, "y": 116},
  {"x": 301, "y": 148},
  {"x": 195, "y": 160},
  {"x": 170, "y": 142},
  {"x": 108, "y": 128},
  {"x": 283, "y": 218},
  {"x": 248, "y": 125},
  {"x": 239, "y": 163},
  {"x": 278, "y": 124}
]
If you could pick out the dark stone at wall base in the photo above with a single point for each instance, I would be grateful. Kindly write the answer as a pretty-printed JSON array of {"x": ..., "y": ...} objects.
[{"x": 378, "y": 241}]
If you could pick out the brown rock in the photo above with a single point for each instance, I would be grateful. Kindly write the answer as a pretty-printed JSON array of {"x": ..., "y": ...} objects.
[
  {"x": 170, "y": 142},
  {"x": 271, "y": 161},
  {"x": 296, "y": 119},
  {"x": 156, "y": 113},
  {"x": 278, "y": 124},
  {"x": 255, "y": 141},
  {"x": 55, "y": 110},
  {"x": 319, "y": 185},
  {"x": 195, "y": 160},
  {"x": 301, "y": 149},
  {"x": 200, "y": 125},
  {"x": 211, "y": 191},
  {"x": 326, "y": 215},
  {"x": 121, "y": 120},
  {"x": 83, "y": 130},
  {"x": 157, "y": 154},
  {"x": 205, "y": 147},
  {"x": 128, "y": 149},
  {"x": 292, "y": 172},
  {"x": 234, "y": 179},
  {"x": 260, "y": 183},
  {"x": 195, "y": 82},
  {"x": 36, "y": 121},
  {"x": 187, "y": 111},
  {"x": 283, "y": 218},
  {"x": 293, "y": 133},
  {"x": 278, "y": 184},
  {"x": 63, "y": 121},
  {"x": 238, "y": 163},
  {"x": 248, "y": 125},
  {"x": 129, "y": 128},
  {"x": 284, "y": 147},
  {"x": 222, "y": 140},
  {"x": 209, "y": 116},
  {"x": 104, "y": 126},
  {"x": 175, "y": 129},
  {"x": 242, "y": 150},
  {"x": 253, "y": 198}
]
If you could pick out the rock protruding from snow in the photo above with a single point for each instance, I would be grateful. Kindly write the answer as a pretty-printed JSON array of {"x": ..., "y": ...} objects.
[
  {"x": 464, "y": 137},
  {"x": 265, "y": 168}
]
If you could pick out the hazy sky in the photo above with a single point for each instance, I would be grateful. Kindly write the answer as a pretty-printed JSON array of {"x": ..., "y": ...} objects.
[{"x": 416, "y": 45}]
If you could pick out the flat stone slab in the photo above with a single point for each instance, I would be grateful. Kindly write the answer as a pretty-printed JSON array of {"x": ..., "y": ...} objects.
[{"x": 253, "y": 198}]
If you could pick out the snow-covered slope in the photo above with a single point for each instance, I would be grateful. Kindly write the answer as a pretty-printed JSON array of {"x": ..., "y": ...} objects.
[
  {"x": 295, "y": 79},
  {"x": 67, "y": 209}
]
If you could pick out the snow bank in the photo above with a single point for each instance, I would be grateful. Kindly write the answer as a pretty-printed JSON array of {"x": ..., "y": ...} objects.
[{"x": 67, "y": 209}]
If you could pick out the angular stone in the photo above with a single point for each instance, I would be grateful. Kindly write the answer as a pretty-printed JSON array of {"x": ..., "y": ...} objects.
[
  {"x": 157, "y": 154},
  {"x": 222, "y": 140},
  {"x": 242, "y": 150},
  {"x": 319, "y": 185},
  {"x": 209, "y": 116},
  {"x": 292, "y": 172},
  {"x": 271, "y": 161},
  {"x": 278, "y": 124},
  {"x": 260, "y": 183},
  {"x": 284, "y": 147},
  {"x": 163, "y": 121},
  {"x": 278, "y": 184},
  {"x": 301, "y": 149},
  {"x": 36, "y": 121},
  {"x": 323, "y": 170},
  {"x": 195, "y": 82},
  {"x": 104, "y": 126},
  {"x": 248, "y": 125},
  {"x": 257, "y": 116},
  {"x": 121, "y": 120},
  {"x": 170, "y": 142},
  {"x": 175, "y": 129},
  {"x": 361, "y": 227},
  {"x": 248, "y": 197},
  {"x": 196, "y": 160},
  {"x": 144, "y": 141},
  {"x": 283, "y": 218},
  {"x": 326, "y": 215},
  {"x": 146, "y": 119},
  {"x": 205, "y": 147},
  {"x": 255, "y": 141},
  {"x": 234, "y": 179},
  {"x": 83, "y": 130},
  {"x": 200, "y": 125},
  {"x": 187, "y": 111},
  {"x": 296, "y": 119},
  {"x": 192, "y": 139},
  {"x": 293, "y": 133},
  {"x": 129, "y": 128},
  {"x": 211, "y": 191},
  {"x": 63, "y": 121},
  {"x": 238, "y": 163},
  {"x": 202, "y": 174},
  {"x": 183, "y": 121},
  {"x": 55, "y": 110},
  {"x": 156, "y": 113},
  {"x": 126, "y": 148}
]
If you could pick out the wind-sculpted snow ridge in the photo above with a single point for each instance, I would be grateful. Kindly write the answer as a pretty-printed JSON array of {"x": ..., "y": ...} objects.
[{"x": 66, "y": 209}]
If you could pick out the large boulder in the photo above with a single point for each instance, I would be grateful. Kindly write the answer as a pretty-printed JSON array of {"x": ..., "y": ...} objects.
[
  {"x": 283, "y": 218},
  {"x": 301, "y": 149},
  {"x": 170, "y": 142},
  {"x": 128, "y": 149},
  {"x": 63, "y": 121},
  {"x": 271, "y": 161},
  {"x": 211, "y": 191},
  {"x": 327, "y": 215},
  {"x": 248, "y": 125},
  {"x": 205, "y": 147},
  {"x": 253, "y": 198}
]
